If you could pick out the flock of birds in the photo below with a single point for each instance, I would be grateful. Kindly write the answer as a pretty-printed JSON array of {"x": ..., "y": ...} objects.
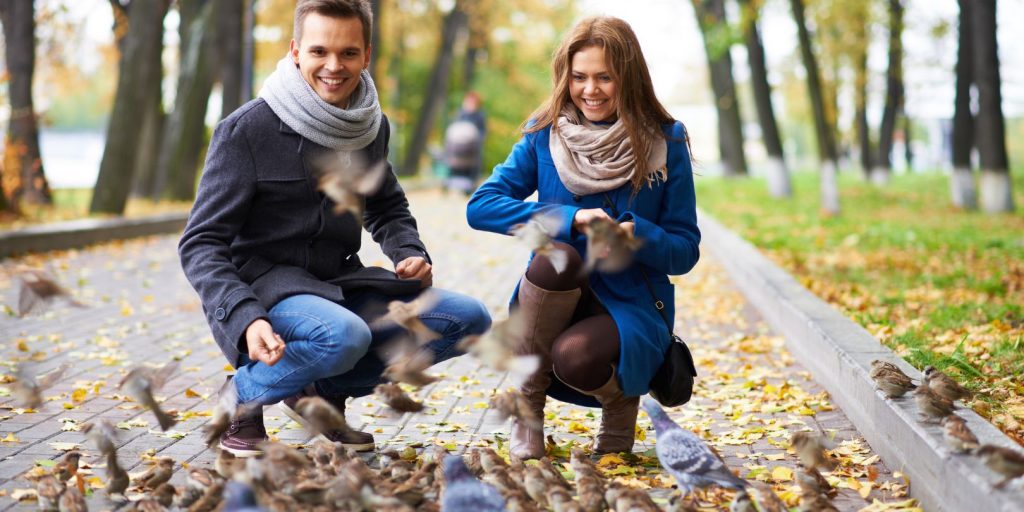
[
  {"x": 935, "y": 397},
  {"x": 326, "y": 476}
]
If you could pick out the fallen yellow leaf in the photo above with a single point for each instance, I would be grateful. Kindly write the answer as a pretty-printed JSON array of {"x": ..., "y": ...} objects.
[{"x": 782, "y": 474}]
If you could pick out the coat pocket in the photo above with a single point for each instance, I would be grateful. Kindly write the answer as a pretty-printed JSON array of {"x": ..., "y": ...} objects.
[{"x": 255, "y": 267}]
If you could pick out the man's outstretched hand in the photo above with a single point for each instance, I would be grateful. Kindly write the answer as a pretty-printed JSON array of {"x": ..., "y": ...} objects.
[
  {"x": 415, "y": 267},
  {"x": 264, "y": 344}
]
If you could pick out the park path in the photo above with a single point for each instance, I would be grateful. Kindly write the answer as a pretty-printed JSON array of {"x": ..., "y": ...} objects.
[{"x": 751, "y": 394}]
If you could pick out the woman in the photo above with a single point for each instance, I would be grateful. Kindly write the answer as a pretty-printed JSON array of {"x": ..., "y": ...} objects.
[{"x": 602, "y": 146}]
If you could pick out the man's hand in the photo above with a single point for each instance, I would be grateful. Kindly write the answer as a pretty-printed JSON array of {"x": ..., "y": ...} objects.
[
  {"x": 415, "y": 267},
  {"x": 264, "y": 344},
  {"x": 583, "y": 217}
]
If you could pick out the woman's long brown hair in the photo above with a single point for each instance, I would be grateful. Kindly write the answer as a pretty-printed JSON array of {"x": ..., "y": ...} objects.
[{"x": 637, "y": 105}]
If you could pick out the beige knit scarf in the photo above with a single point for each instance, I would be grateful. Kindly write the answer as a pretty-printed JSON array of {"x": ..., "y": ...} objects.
[{"x": 593, "y": 158}]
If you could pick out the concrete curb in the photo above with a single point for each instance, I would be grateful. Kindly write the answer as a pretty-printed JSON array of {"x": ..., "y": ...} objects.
[
  {"x": 838, "y": 352},
  {"x": 79, "y": 233}
]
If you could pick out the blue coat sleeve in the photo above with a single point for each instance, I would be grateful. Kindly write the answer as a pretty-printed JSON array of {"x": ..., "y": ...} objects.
[
  {"x": 499, "y": 203},
  {"x": 671, "y": 245}
]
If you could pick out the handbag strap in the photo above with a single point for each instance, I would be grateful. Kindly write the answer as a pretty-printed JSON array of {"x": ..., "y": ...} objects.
[{"x": 658, "y": 304}]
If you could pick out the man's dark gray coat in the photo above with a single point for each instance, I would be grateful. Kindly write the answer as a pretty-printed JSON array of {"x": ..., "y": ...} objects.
[{"x": 261, "y": 231}]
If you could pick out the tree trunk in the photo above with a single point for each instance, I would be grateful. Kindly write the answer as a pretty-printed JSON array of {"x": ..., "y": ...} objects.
[
  {"x": 826, "y": 144},
  {"x": 893, "y": 95},
  {"x": 25, "y": 178},
  {"x": 961, "y": 183},
  {"x": 711, "y": 18},
  {"x": 230, "y": 21},
  {"x": 990, "y": 134},
  {"x": 144, "y": 180},
  {"x": 375, "y": 6},
  {"x": 186, "y": 128},
  {"x": 861, "y": 116},
  {"x": 777, "y": 173},
  {"x": 138, "y": 72},
  {"x": 437, "y": 88}
]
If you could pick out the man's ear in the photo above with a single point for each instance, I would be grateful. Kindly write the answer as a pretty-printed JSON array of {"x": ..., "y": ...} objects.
[
  {"x": 293, "y": 49},
  {"x": 366, "y": 61}
]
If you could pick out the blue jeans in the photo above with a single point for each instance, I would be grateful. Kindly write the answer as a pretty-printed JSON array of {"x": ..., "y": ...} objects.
[{"x": 336, "y": 345}]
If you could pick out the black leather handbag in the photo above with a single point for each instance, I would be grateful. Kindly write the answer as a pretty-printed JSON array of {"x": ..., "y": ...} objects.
[{"x": 672, "y": 385}]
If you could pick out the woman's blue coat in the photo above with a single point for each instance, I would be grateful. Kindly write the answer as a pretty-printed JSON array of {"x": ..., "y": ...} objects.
[{"x": 665, "y": 220}]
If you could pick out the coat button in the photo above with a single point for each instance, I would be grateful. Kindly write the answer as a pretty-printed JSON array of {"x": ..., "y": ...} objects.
[
  {"x": 576, "y": 197},
  {"x": 220, "y": 314}
]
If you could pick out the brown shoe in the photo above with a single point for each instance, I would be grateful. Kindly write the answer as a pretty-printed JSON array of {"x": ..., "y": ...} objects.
[
  {"x": 244, "y": 435},
  {"x": 618, "y": 417},
  {"x": 545, "y": 314},
  {"x": 358, "y": 441}
]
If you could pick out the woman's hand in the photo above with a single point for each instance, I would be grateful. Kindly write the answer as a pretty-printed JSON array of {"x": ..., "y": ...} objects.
[{"x": 583, "y": 217}]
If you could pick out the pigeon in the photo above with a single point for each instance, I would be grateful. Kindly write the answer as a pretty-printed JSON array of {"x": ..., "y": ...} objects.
[
  {"x": 610, "y": 247},
  {"x": 37, "y": 289},
  {"x": 464, "y": 493},
  {"x": 537, "y": 235},
  {"x": 512, "y": 403},
  {"x": 346, "y": 178},
  {"x": 685, "y": 456},
  {"x": 407, "y": 315},
  {"x": 944, "y": 385},
  {"x": 28, "y": 391},
  {"x": 890, "y": 379},
  {"x": 957, "y": 434},
  {"x": 143, "y": 381},
  {"x": 1006, "y": 462},
  {"x": 408, "y": 363},
  {"x": 396, "y": 399},
  {"x": 810, "y": 448},
  {"x": 932, "y": 405}
]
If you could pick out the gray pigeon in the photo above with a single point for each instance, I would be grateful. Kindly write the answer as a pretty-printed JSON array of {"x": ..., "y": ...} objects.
[
  {"x": 464, "y": 493},
  {"x": 685, "y": 455}
]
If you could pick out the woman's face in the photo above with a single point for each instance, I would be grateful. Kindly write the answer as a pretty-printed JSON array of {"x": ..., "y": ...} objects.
[{"x": 591, "y": 85}]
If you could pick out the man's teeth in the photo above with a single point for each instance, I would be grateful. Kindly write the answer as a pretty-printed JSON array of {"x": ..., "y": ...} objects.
[{"x": 330, "y": 81}]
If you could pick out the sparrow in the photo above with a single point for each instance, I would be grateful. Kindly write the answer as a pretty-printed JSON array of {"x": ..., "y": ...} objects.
[
  {"x": 537, "y": 234},
  {"x": 685, "y": 456},
  {"x": 346, "y": 178},
  {"x": 407, "y": 315},
  {"x": 117, "y": 477},
  {"x": 536, "y": 486},
  {"x": 73, "y": 501},
  {"x": 610, "y": 247},
  {"x": 68, "y": 466},
  {"x": 552, "y": 474},
  {"x": 48, "y": 490},
  {"x": 103, "y": 435},
  {"x": 512, "y": 403},
  {"x": 164, "y": 494},
  {"x": 160, "y": 473},
  {"x": 321, "y": 416},
  {"x": 742, "y": 503},
  {"x": 227, "y": 465},
  {"x": 931, "y": 404},
  {"x": 890, "y": 379},
  {"x": 957, "y": 434},
  {"x": 1006, "y": 462},
  {"x": 226, "y": 410},
  {"x": 810, "y": 448},
  {"x": 767, "y": 500},
  {"x": 499, "y": 348},
  {"x": 561, "y": 501},
  {"x": 944, "y": 385},
  {"x": 814, "y": 482},
  {"x": 143, "y": 381},
  {"x": 28, "y": 390},
  {"x": 392, "y": 395},
  {"x": 464, "y": 493},
  {"x": 491, "y": 461},
  {"x": 197, "y": 481},
  {"x": 210, "y": 499},
  {"x": 38, "y": 288},
  {"x": 408, "y": 363}
]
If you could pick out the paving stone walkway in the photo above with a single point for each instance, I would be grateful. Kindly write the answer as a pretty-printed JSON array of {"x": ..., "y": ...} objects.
[{"x": 139, "y": 308}]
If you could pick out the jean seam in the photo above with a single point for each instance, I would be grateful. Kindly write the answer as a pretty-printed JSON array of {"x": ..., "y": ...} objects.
[{"x": 445, "y": 316}]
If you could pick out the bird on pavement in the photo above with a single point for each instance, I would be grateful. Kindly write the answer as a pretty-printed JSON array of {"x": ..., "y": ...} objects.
[
  {"x": 464, "y": 493},
  {"x": 957, "y": 434},
  {"x": 160, "y": 473},
  {"x": 890, "y": 379},
  {"x": 944, "y": 385},
  {"x": 685, "y": 456},
  {"x": 1006, "y": 462},
  {"x": 931, "y": 404}
]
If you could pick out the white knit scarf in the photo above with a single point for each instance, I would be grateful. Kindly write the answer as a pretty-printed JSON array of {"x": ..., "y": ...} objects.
[
  {"x": 299, "y": 106},
  {"x": 592, "y": 158}
]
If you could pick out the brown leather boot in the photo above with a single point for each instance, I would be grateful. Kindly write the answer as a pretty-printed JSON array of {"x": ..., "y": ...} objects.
[
  {"x": 545, "y": 314},
  {"x": 618, "y": 417}
]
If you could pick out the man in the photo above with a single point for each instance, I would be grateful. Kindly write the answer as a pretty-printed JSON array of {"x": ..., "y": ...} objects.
[
  {"x": 284, "y": 292},
  {"x": 464, "y": 140}
]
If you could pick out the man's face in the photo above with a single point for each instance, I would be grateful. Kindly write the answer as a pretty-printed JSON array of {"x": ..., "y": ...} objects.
[{"x": 331, "y": 55}]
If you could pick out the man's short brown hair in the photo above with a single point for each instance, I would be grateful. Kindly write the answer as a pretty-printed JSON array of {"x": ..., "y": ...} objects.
[{"x": 335, "y": 9}]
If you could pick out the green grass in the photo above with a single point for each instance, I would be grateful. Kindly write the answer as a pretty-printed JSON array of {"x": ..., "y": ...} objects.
[{"x": 940, "y": 286}]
